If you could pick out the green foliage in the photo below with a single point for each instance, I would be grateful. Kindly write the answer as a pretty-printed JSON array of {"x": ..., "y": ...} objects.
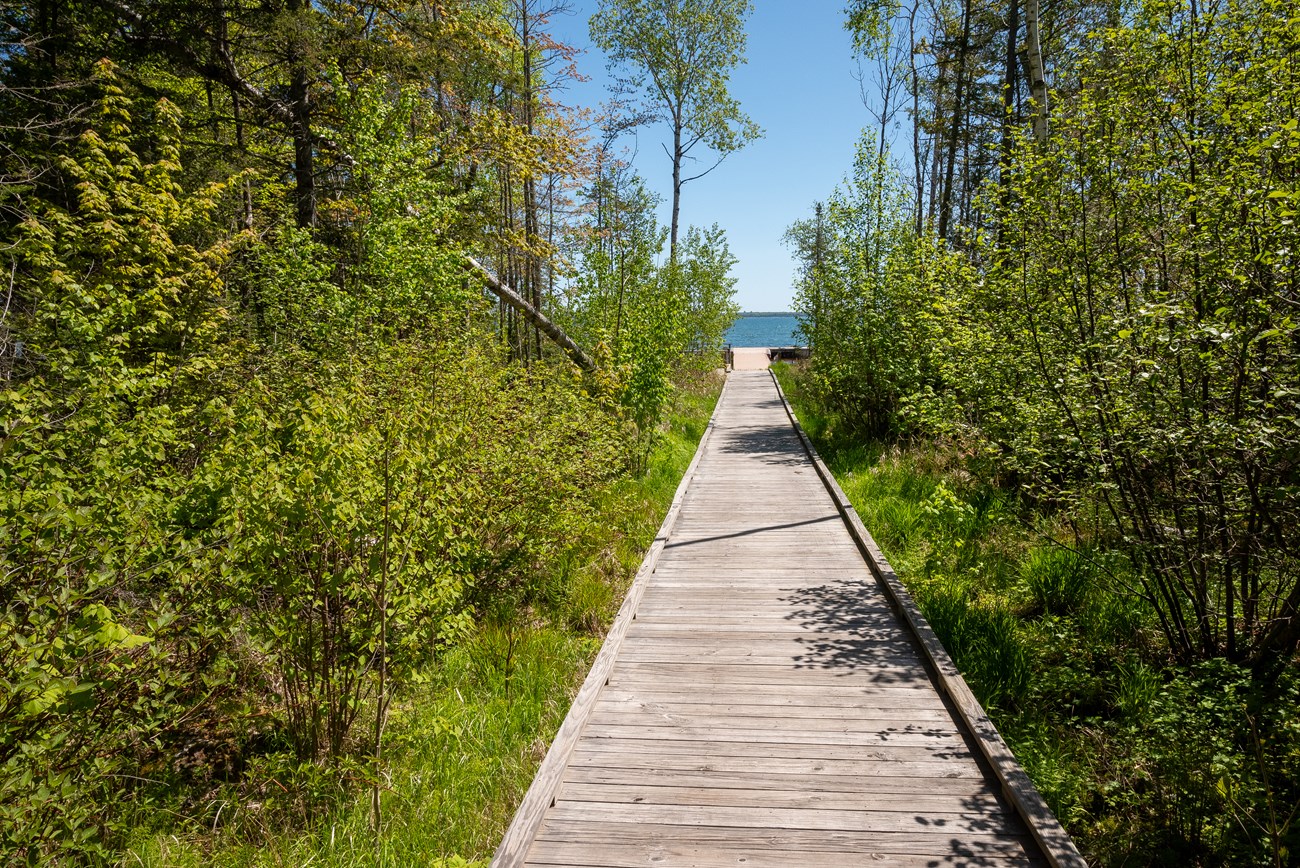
[
  {"x": 706, "y": 265},
  {"x": 240, "y": 517},
  {"x": 461, "y": 752},
  {"x": 451, "y": 482},
  {"x": 1144, "y": 761},
  {"x": 1141, "y": 381},
  {"x": 265, "y": 462},
  {"x": 467, "y": 730},
  {"x": 1058, "y": 578},
  {"x": 857, "y": 311},
  {"x": 654, "y": 340},
  {"x": 677, "y": 57},
  {"x": 649, "y": 320},
  {"x": 118, "y": 318},
  {"x": 1133, "y": 356},
  {"x": 680, "y": 54}
]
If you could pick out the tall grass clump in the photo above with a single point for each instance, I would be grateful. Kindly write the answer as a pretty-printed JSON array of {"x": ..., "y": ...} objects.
[
  {"x": 1057, "y": 578},
  {"x": 982, "y": 639}
]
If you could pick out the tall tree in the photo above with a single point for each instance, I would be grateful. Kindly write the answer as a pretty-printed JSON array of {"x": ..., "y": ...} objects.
[
  {"x": 677, "y": 57},
  {"x": 959, "y": 109}
]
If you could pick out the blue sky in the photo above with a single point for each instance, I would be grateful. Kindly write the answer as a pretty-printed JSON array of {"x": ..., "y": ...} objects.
[{"x": 799, "y": 86}]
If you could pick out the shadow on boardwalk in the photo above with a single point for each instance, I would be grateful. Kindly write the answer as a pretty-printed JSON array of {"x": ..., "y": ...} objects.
[
  {"x": 771, "y": 444},
  {"x": 757, "y": 701},
  {"x": 851, "y": 630},
  {"x": 752, "y": 531}
]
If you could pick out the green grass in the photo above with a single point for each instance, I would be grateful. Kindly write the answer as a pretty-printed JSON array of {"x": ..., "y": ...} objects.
[
  {"x": 463, "y": 746},
  {"x": 462, "y": 750},
  {"x": 1145, "y": 762}
]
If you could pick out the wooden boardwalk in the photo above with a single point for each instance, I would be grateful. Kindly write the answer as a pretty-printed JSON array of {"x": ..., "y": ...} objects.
[{"x": 769, "y": 697}]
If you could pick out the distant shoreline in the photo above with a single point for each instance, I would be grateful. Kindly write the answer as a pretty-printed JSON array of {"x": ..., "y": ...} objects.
[{"x": 766, "y": 313}]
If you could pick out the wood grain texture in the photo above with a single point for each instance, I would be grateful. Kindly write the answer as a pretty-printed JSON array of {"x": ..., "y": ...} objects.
[
  {"x": 1056, "y": 844},
  {"x": 763, "y": 699},
  {"x": 541, "y": 793}
]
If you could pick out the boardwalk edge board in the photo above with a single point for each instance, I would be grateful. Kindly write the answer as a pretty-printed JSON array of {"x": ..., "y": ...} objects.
[
  {"x": 1019, "y": 790},
  {"x": 541, "y": 793}
]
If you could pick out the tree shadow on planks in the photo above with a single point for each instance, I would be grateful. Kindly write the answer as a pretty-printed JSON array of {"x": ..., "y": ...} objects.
[
  {"x": 772, "y": 444},
  {"x": 851, "y": 630},
  {"x": 677, "y": 543},
  {"x": 989, "y": 833},
  {"x": 1009, "y": 849}
]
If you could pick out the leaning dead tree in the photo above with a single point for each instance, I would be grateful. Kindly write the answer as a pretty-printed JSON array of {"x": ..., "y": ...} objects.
[{"x": 534, "y": 316}]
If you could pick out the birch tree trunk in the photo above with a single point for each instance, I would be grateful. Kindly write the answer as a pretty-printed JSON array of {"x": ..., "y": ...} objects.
[
  {"x": 533, "y": 316},
  {"x": 1037, "y": 75}
]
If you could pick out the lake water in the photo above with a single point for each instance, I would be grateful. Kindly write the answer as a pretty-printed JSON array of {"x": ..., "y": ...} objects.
[{"x": 764, "y": 331}]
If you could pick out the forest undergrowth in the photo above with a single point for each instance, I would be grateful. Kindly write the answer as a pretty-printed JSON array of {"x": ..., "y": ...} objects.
[
  {"x": 1145, "y": 761},
  {"x": 465, "y": 739}
]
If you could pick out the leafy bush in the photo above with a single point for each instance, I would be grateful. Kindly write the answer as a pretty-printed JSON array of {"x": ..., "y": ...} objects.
[
  {"x": 119, "y": 319},
  {"x": 1140, "y": 383},
  {"x": 230, "y": 540}
]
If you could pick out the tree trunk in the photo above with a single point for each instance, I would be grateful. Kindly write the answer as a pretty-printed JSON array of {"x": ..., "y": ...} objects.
[
  {"x": 1009, "y": 83},
  {"x": 534, "y": 316},
  {"x": 1037, "y": 75},
  {"x": 916, "y": 119},
  {"x": 677, "y": 185},
  {"x": 532, "y": 229},
  {"x": 304, "y": 172},
  {"x": 963, "y": 48}
]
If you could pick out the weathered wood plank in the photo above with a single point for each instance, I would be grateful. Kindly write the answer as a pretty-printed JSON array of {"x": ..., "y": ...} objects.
[
  {"x": 717, "y": 736},
  {"x": 677, "y": 793},
  {"x": 840, "y": 689},
  {"x": 765, "y": 818},
  {"x": 682, "y": 707},
  {"x": 972, "y": 846},
  {"x": 875, "y": 658},
  {"x": 1057, "y": 847},
  {"x": 787, "y": 697},
  {"x": 756, "y": 854},
  {"x": 706, "y": 675},
  {"x": 769, "y": 720},
  {"x": 869, "y": 789},
  {"x": 790, "y": 759},
  {"x": 760, "y": 702}
]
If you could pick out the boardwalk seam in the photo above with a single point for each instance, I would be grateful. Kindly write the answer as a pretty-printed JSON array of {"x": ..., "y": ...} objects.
[
  {"x": 1016, "y": 785},
  {"x": 541, "y": 795}
]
